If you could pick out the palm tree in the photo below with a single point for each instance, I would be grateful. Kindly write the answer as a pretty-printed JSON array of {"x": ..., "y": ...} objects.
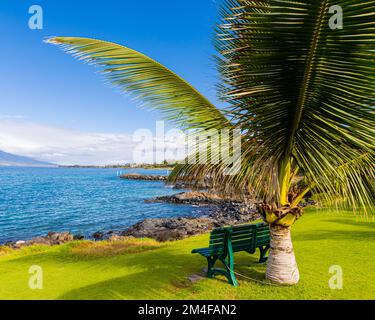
[{"x": 301, "y": 93}]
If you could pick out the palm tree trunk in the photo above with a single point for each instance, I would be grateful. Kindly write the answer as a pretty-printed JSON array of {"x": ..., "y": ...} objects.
[{"x": 282, "y": 267}]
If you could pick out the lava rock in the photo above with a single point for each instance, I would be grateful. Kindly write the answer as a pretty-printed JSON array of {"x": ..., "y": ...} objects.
[
  {"x": 60, "y": 237},
  {"x": 134, "y": 176},
  {"x": 98, "y": 235}
]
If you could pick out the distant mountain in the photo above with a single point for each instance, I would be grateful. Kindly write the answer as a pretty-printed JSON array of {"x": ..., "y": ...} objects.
[{"x": 8, "y": 159}]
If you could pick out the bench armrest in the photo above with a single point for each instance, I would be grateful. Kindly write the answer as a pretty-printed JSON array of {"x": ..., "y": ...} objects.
[{"x": 197, "y": 250}]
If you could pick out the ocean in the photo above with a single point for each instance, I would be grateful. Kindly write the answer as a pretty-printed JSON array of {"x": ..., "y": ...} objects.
[{"x": 35, "y": 201}]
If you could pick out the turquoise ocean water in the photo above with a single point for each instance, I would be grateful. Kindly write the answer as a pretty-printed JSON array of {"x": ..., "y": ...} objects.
[{"x": 35, "y": 201}]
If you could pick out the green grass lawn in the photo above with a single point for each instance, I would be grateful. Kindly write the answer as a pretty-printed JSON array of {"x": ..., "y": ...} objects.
[{"x": 144, "y": 269}]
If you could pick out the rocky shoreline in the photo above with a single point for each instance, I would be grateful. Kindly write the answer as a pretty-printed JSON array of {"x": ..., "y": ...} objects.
[
  {"x": 220, "y": 212},
  {"x": 199, "y": 198},
  {"x": 164, "y": 178},
  {"x": 143, "y": 177}
]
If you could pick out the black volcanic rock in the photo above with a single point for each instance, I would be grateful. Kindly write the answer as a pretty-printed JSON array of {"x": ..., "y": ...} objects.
[
  {"x": 135, "y": 176},
  {"x": 222, "y": 213}
]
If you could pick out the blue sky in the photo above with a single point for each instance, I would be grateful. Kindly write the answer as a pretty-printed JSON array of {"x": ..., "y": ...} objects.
[{"x": 41, "y": 86}]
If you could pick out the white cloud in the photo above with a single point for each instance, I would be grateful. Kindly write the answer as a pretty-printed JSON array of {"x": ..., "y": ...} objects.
[{"x": 65, "y": 146}]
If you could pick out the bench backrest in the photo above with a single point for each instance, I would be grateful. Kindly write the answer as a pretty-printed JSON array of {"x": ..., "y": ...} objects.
[
  {"x": 217, "y": 237},
  {"x": 243, "y": 237}
]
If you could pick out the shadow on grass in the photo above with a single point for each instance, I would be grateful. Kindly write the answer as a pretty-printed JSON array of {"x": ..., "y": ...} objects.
[
  {"x": 350, "y": 222},
  {"x": 363, "y": 236},
  {"x": 140, "y": 285},
  {"x": 162, "y": 274}
]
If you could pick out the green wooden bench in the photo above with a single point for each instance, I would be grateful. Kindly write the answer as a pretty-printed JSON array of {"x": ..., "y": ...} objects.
[{"x": 225, "y": 241}]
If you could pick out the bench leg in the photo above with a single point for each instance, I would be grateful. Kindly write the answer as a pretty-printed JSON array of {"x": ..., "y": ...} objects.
[
  {"x": 263, "y": 252},
  {"x": 210, "y": 264},
  {"x": 229, "y": 266}
]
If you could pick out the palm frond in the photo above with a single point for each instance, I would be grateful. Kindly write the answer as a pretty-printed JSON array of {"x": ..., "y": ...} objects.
[
  {"x": 354, "y": 183},
  {"x": 304, "y": 92},
  {"x": 151, "y": 82}
]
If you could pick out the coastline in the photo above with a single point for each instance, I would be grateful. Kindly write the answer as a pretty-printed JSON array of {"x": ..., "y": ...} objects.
[
  {"x": 219, "y": 212},
  {"x": 36, "y": 201},
  {"x": 145, "y": 167}
]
